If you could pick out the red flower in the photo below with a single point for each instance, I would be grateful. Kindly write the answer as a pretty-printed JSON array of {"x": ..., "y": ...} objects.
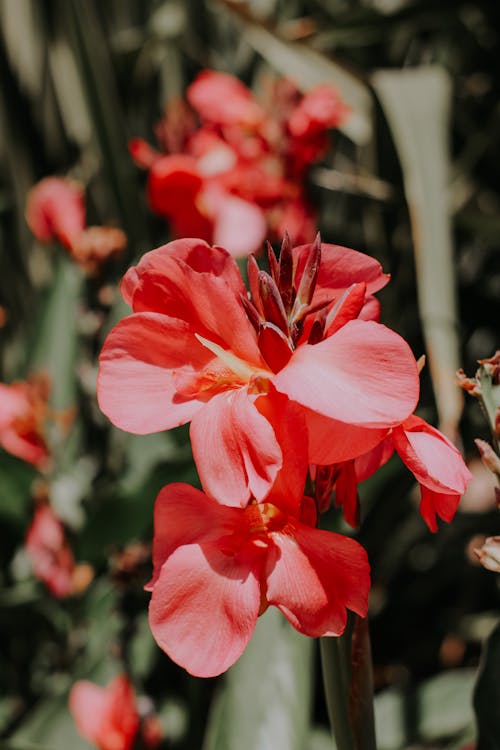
[
  {"x": 217, "y": 568},
  {"x": 106, "y": 717},
  {"x": 55, "y": 210},
  {"x": 23, "y": 408},
  {"x": 245, "y": 165},
  {"x": 435, "y": 462},
  {"x": 49, "y": 552},
  {"x": 197, "y": 350}
]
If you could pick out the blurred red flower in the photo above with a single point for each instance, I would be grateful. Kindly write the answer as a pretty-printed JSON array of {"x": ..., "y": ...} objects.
[
  {"x": 216, "y": 569},
  {"x": 242, "y": 171},
  {"x": 107, "y": 716},
  {"x": 23, "y": 407},
  {"x": 55, "y": 210},
  {"x": 197, "y": 349},
  {"x": 49, "y": 552}
]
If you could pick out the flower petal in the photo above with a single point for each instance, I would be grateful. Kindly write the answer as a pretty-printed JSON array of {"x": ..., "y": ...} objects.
[
  {"x": 365, "y": 374},
  {"x": 432, "y": 458},
  {"x": 238, "y": 225},
  {"x": 235, "y": 449},
  {"x": 434, "y": 504},
  {"x": 288, "y": 423},
  {"x": 332, "y": 442},
  {"x": 341, "y": 267},
  {"x": 88, "y": 704},
  {"x": 184, "y": 515},
  {"x": 224, "y": 100},
  {"x": 314, "y": 575},
  {"x": 203, "y": 299},
  {"x": 139, "y": 362},
  {"x": 204, "y": 607},
  {"x": 55, "y": 209},
  {"x": 196, "y": 253}
]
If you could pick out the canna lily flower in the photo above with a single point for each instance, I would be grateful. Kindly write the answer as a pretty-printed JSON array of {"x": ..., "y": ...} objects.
[
  {"x": 107, "y": 716},
  {"x": 217, "y": 568},
  {"x": 434, "y": 461},
  {"x": 23, "y": 407},
  {"x": 196, "y": 349},
  {"x": 49, "y": 552},
  {"x": 55, "y": 210}
]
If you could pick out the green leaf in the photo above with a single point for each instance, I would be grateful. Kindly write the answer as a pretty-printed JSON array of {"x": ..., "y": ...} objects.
[
  {"x": 265, "y": 701},
  {"x": 54, "y": 347},
  {"x": 16, "y": 478},
  {"x": 487, "y": 695},
  {"x": 417, "y": 103}
]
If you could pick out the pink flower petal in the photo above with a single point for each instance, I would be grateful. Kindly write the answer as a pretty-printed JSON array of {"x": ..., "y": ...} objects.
[
  {"x": 107, "y": 717},
  {"x": 196, "y": 253},
  {"x": 238, "y": 225},
  {"x": 139, "y": 363},
  {"x": 223, "y": 99},
  {"x": 313, "y": 576},
  {"x": 365, "y": 374},
  {"x": 197, "y": 518},
  {"x": 287, "y": 420},
  {"x": 204, "y": 300},
  {"x": 372, "y": 460},
  {"x": 235, "y": 449},
  {"x": 332, "y": 442},
  {"x": 55, "y": 210},
  {"x": 432, "y": 458},
  {"x": 341, "y": 267},
  {"x": 204, "y": 607}
]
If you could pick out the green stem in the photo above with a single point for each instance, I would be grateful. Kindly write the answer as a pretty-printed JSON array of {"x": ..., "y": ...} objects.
[{"x": 336, "y": 689}]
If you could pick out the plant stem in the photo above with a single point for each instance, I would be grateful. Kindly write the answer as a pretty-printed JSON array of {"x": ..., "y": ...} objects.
[{"x": 336, "y": 690}]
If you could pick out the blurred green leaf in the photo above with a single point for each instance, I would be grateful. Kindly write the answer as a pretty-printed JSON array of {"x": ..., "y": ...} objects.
[
  {"x": 417, "y": 104},
  {"x": 143, "y": 649},
  {"x": 55, "y": 344},
  {"x": 16, "y": 478},
  {"x": 265, "y": 701},
  {"x": 487, "y": 695}
]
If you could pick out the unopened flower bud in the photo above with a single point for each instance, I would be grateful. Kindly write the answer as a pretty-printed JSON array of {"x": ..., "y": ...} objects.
[
  {"x": 489, "y": 554},
  {"x": 488, "y": 456}
]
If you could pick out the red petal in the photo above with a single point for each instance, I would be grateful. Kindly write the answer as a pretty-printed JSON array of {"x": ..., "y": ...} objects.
[
  {"x": 365, "y": 374},
  {"x": 313, "y": 576},
  {"x": 370, "y": 462},
  {"x": 346, "y": 493},
  {"x": 341, "y": 267},
  {"x": 238, "y": 225},
  {"x": 55, "y": 209},
  {"x": 332, "y": 442},
  {"x": 235, "y": 449},
  {"x": 197, "y": 518},
  {"x": 434, "y": 504},
  {"x": 204, "y": 607},
  {"x": 290, "y": 429},
  {"x": 173, "y": 186},
  {"x": 107, "y": 717},
  {"x": 223, "y": 99},
  {"x": 432, "y": 458},
  {"x": 204, "y": 300},
  {"x": 196, "y": 253},
  {"x": 138, "y": 365}
]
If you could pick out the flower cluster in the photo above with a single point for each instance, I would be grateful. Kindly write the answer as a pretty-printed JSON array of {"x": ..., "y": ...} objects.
[
  {"x": 240, "y": 172},
  {"x": 295, "y": 375},
  {"x": 22, "y": 417},
  {"x": 55, "y": 210}
]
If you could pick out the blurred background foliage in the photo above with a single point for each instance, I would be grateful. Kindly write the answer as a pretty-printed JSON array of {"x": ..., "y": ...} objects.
[{"x": 413, "y": 179}]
